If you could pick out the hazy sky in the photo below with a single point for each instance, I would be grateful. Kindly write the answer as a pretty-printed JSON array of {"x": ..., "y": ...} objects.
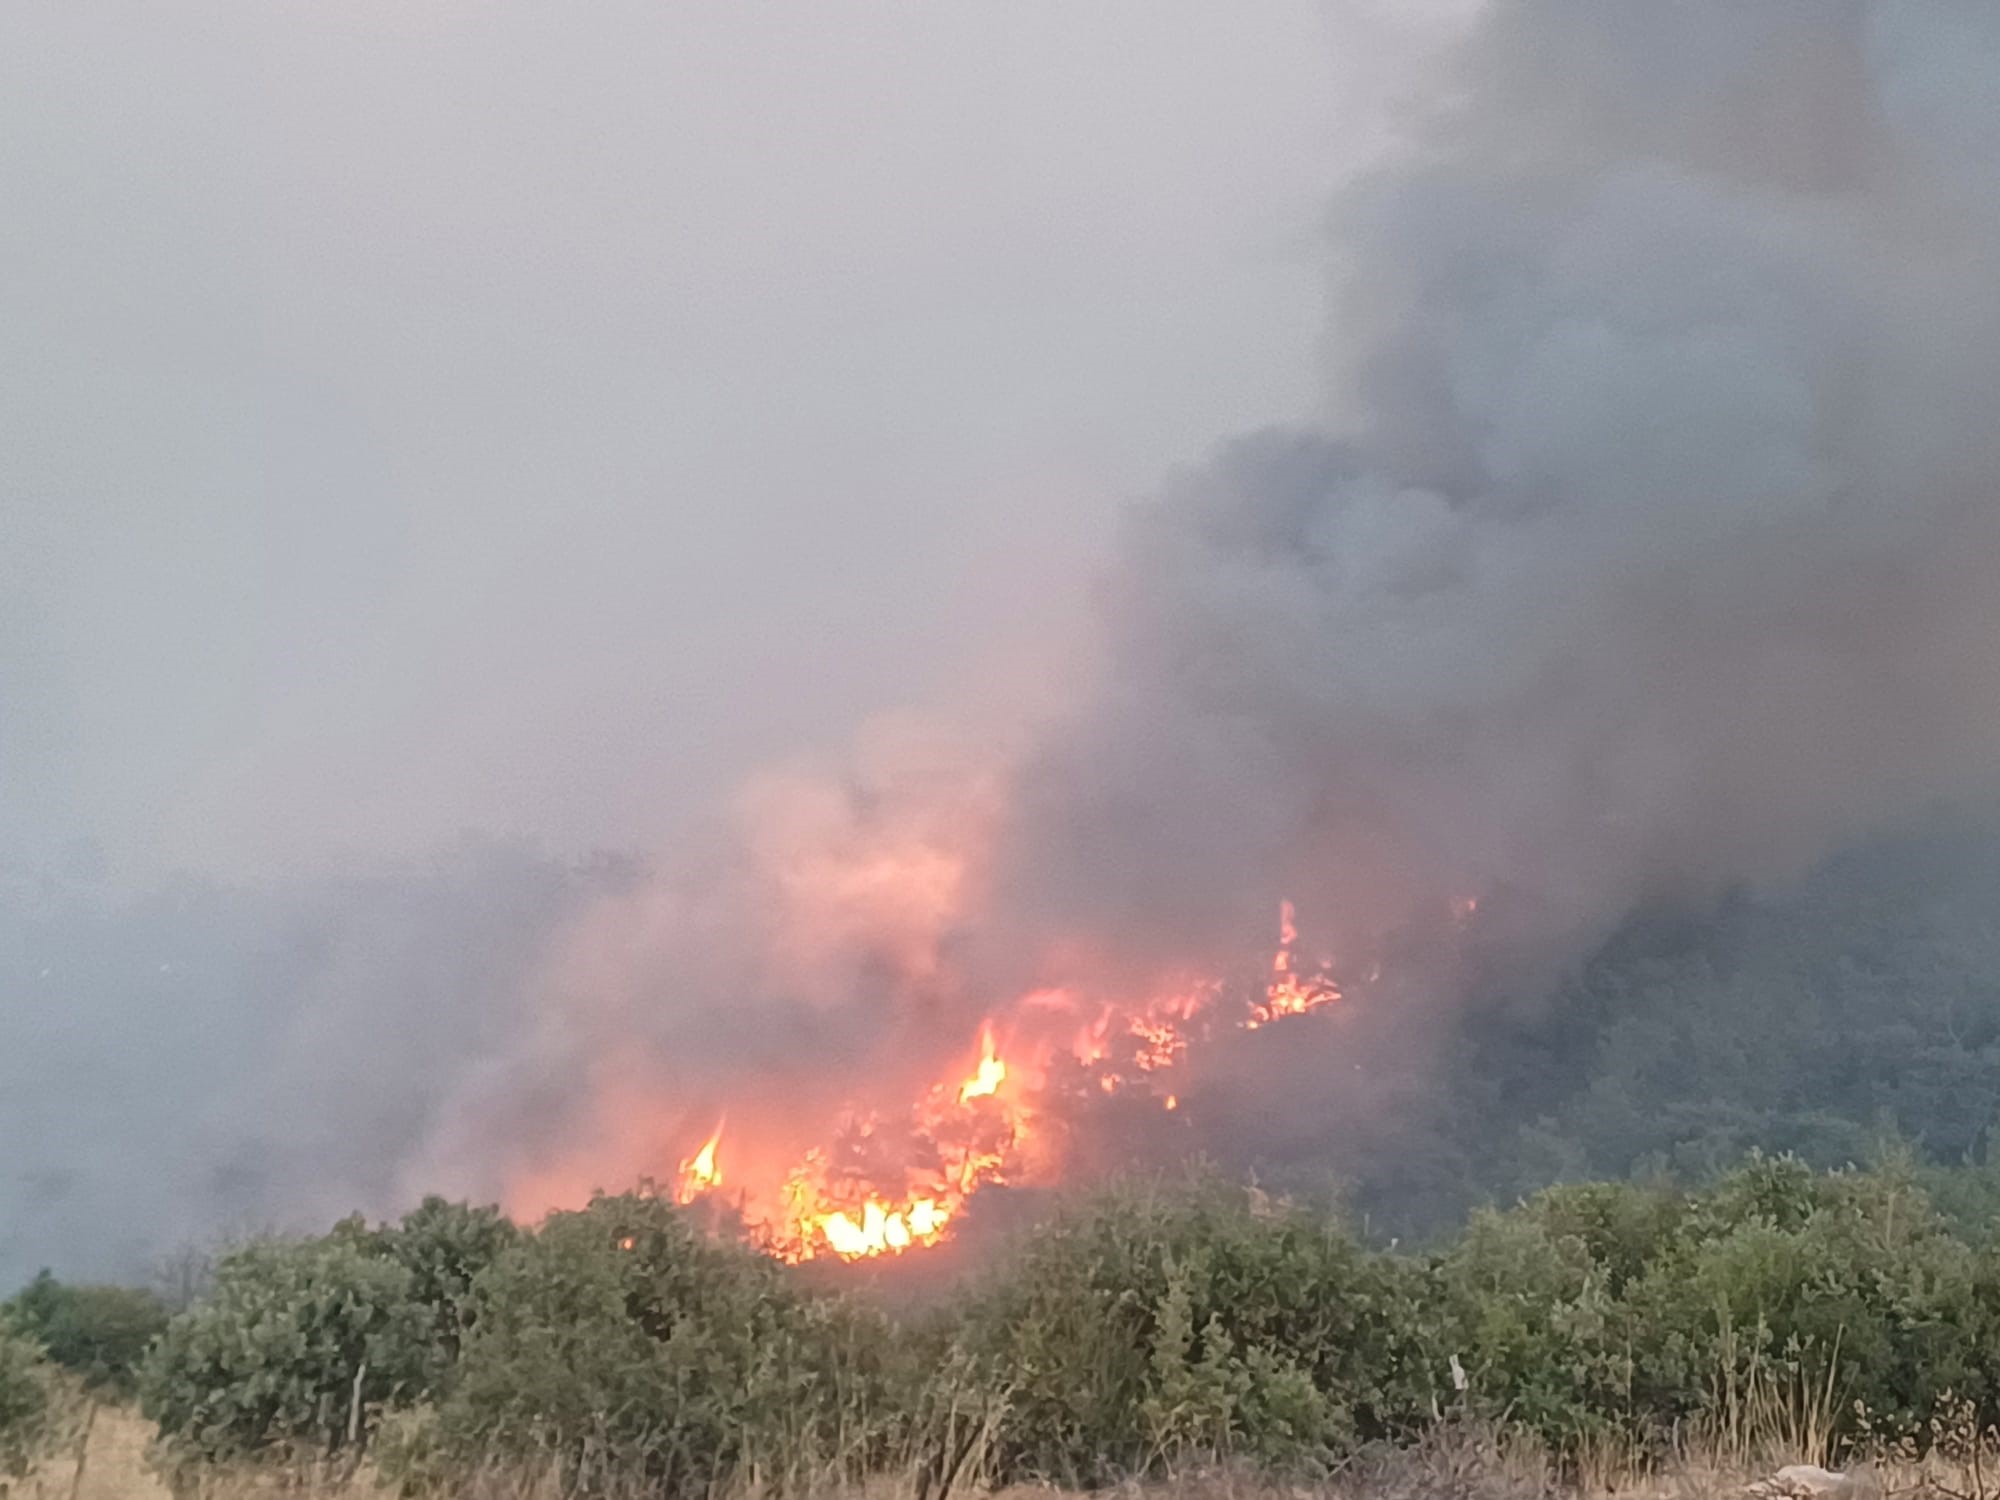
[{"x": 423, "y": 416}]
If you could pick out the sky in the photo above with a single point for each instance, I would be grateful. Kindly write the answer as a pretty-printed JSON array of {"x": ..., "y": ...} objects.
[{"x": 439, "y": 417}]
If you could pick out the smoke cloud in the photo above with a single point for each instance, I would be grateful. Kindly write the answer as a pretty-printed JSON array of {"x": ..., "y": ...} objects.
[{"x": 1649, "y": 543}]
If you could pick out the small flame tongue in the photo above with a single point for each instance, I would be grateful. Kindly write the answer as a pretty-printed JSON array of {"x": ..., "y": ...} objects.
[
  {"x": 699, "y": 1173},
  {"x": 990, "y": 1074}
]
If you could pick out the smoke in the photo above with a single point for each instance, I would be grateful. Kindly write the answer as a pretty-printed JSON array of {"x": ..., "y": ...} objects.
[
  {"x": 1649, "y": 541},
  {"x": 1645, "y": 546},
  {"x": 209, "y": 1059}
]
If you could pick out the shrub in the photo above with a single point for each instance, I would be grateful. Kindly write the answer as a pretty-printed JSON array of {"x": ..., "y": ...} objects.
[
  {"x": 621, "y": 1346},
  {"x": 98, "y": 1333},
  {"x": 1528, "y": 1307},
  {"x": 1153, "y": 1327},
  {"x": 1614, "y": 1314},
  {"x": 291, "y": 1355},
  {"x": 445, "y": 1246},
  {"x": 297, "y": 1348}
]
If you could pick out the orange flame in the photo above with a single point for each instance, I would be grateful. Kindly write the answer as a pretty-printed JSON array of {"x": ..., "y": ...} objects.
[
  {"x": 989, "y": 1075},
  {"x": 973, "y": 1129},
  {"x": 700, "y": 1173},
  {"x": 1289, "y": 993}
]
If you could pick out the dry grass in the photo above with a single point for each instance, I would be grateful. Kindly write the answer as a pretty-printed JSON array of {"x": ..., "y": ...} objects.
[
  {"x": 1467, "y": 1462},
  {"x": 107, "y": 1461}
]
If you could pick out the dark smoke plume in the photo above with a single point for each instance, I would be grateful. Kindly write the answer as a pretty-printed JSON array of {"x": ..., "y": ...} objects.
[{"x": 1650, "y": 541}]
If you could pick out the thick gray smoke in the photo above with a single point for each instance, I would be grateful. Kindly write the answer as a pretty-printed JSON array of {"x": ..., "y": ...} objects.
[
  {"x": 1647, "y": 544},
  {"x": 1652, "y": 540}
]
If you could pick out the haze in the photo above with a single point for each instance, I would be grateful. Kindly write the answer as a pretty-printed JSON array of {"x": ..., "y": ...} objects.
[{"x": 504, "y": 417}]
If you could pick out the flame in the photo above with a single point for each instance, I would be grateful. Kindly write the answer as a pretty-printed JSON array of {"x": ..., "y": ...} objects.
[
  {"x": 1290, "y": 993},
  {"x": 963, "y": 1134},
  {"x": 884, "y": 1230},
  {"x": 888, "y": 1181},
  {"x": 989, "y": 1075},
  {"x": 700, "y": 1173}
]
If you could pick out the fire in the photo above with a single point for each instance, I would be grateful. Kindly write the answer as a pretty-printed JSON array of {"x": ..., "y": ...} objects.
[
  {"x": 699, "y": 1173},
  {"x": 989, "y": 1075},
  {"x": 889, "y": 1182},
  {"x": 884, "y": 1230},
  {"x": 1290, "y": 993},
  {"x": 963, "y": 1134}
]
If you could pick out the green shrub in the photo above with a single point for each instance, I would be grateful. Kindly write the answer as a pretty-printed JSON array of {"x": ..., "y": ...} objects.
[
  {"x": 1617, "y": 1313},
  {"x": 445, "y": 1246},
  {"x": 622, "y": 1346},
  {"x": 1151, "y": 1327},
  {"x": 1843, "y": 1288},
  {"x": 98, "y": 1333},
  {"x": 296, "y": 1348},
  {"x": 1145, "y": 1330},
  {"x": 1529, "y": 1308}
]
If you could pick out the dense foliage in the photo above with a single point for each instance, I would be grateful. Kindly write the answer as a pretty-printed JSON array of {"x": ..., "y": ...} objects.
[
  {"x": 1146, "y": 1326},
  {"x": 298, "y": 1346},
  {"x": 1143, "y": 1329},
  {"x": 1861, "y": 1002},
  {"x": 98, "y": 1333},
  {"x": 623, "y": 1342}
]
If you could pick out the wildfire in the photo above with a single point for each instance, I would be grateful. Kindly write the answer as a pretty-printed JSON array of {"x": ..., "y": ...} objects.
[
  {"x": 989, "y": 1075},
  {"x": 1290, "y": 993},
  {"x": 979, "y": 1125},
  {"x": 699, "y": 1173},
  {"x": 884, "y": 1230}
]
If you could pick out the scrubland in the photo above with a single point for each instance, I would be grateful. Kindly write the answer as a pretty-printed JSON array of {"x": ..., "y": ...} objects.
[{"x": 1176, "y": 1336}]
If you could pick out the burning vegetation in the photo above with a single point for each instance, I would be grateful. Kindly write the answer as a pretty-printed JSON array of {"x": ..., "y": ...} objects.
[{"x": 888, "y": 1181}]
